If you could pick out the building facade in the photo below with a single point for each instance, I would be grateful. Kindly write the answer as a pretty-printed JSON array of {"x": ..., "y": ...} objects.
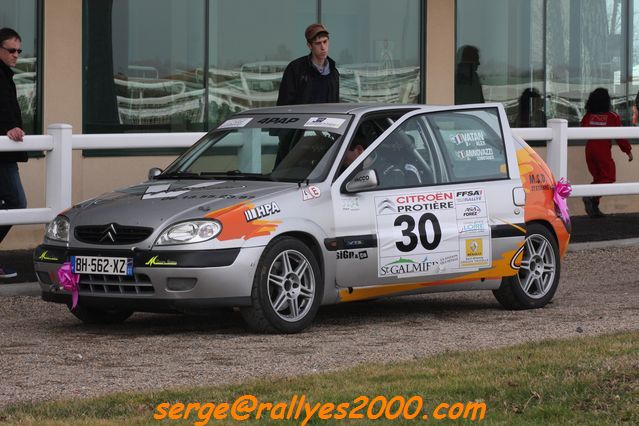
[{"x": 119, "y": 66}]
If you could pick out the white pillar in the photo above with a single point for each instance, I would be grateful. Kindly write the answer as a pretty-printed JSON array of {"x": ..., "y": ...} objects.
[
  {"x": 59, "y": 168},
  {"x": 557, "y": 149}
]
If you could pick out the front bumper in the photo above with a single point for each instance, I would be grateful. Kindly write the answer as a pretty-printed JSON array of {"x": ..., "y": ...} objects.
[{"x": 162, "y": 281}]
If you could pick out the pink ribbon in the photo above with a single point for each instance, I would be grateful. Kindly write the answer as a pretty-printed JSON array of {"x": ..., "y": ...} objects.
[
  {"x": 69, "y": 282},
  {"x": 562, "y": 191}
]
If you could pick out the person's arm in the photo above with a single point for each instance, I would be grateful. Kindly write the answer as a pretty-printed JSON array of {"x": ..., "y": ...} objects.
[
  {"x": 9, "y": 126},
  {"x": 286, "y": 94},
  {"x": 624, "y": 144}
]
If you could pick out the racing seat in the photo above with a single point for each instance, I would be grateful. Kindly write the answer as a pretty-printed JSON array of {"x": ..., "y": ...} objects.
[{"x": 399, "y": 149}]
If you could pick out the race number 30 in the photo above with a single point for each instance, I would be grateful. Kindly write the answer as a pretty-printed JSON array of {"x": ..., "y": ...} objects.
[{"x": 408, "y": 224}]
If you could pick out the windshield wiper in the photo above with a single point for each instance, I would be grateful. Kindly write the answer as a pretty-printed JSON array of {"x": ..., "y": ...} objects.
[
  {"x": 180, "y": 175},
  {"x": 238, "y": 174}
]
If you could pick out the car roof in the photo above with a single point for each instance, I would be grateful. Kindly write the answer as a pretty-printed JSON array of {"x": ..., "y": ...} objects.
[
  {"x": 358, "y": 109},
  {"x": 339, "y": 108}
]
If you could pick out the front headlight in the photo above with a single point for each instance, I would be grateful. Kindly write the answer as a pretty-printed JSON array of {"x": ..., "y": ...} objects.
[
  {"x": 58, "y": 229},
  {"x": 193, "y": 231}
]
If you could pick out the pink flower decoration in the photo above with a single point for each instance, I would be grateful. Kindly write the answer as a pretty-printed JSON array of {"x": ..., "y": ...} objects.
[
  {"x": 562, "y": 191},
  {"x": 69, "y": 282}
]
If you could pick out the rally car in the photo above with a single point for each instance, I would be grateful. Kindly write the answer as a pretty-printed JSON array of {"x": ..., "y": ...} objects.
[{"x": 281, "y": 210}]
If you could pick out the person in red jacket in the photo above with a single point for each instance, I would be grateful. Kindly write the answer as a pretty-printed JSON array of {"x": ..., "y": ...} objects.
[{"x": 599, "y": 152}]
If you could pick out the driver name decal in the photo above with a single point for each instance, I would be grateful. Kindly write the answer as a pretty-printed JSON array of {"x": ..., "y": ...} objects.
[{"x": 432, "y": 233}]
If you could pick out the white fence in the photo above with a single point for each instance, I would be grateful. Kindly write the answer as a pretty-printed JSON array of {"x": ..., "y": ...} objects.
[{"x": 59, "y": 143}]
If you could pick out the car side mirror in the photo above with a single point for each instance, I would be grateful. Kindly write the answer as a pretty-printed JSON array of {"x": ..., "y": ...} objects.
[
  {"x": 363, "y": 180},
  {"x": 154, "y": 172}
]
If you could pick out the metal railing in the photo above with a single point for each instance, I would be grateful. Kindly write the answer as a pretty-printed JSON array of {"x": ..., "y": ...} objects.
[{"x": 59, "y": 143}]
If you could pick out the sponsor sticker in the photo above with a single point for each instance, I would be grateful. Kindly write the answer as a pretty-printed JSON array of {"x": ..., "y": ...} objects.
[
  {"x": 427, "y": 233},
  {"x": 474, "y": 227},
  {"x": 349, "y": 255},
  {"x": 469, "y": 138},
  {"x": 476, "y": 252},
  {"x": 327, "y": 122},
  {"x": 310, "y": 193},
  {"x": 261, "y": 211},
  {"x": 350, "y": 204},
  {"x": 235, "y": 123}
]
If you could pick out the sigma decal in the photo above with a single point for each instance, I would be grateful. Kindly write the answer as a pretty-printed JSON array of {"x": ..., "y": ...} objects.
[
  {"x": 432, "y": 233},
  {"x": 236, "y": 226},
  {"x": 310, "y": 193},
  {"x": 349, "y": 255}
]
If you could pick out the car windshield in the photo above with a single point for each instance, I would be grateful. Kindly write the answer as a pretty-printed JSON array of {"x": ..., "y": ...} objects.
[{"x": 287, "y": 151}]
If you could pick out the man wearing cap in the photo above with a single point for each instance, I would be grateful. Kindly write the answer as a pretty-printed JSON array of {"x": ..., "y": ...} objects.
[{"x": 311, "y": 79}]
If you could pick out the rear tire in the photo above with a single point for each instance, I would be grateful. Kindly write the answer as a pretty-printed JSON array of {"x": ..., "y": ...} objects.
[
  {"x": 538, "y": 278},
  {"x": 287, "y": 288},
  {"x": 90, "y": 315}
]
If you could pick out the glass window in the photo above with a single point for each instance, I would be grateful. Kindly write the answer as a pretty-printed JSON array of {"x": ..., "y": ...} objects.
[
  {"x": 251, "y": 153},
  {"x": 398, "y": 160},
  {"x": 171, "y": 65},
  {"x": 141, "y": 66},
  {"x": 471, "y": 143},
  {"x": 376, "y": 44},
  {"x": 585, "y": 50},
  {"x": 500, "y": 57},
  {"x": 251, "y": 42},
  {"x": 22, "y": 17}
]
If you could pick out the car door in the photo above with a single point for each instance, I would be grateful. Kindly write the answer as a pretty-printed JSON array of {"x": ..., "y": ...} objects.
[{"x": 437, "y": 208}]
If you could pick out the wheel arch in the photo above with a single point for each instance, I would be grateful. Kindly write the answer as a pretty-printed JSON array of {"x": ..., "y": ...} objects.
[{"x": 312, "y": 244}]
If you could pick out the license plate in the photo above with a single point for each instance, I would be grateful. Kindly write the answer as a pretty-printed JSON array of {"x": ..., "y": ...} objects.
[{"x": 102, "y": 265}]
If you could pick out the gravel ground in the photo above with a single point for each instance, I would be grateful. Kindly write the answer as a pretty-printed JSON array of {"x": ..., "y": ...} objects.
[{"x": 45, "y": 353}]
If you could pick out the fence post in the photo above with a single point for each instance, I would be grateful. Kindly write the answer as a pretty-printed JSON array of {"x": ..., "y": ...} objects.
[
  {"x": 557, "y": 150},
  {"x": 59, "y": 168}
]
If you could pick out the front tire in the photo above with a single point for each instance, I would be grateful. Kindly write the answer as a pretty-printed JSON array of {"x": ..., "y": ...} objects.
[
  {"x": 538, "y": 278},
  {"x": 287, "y": 288},
  {"x": 90, "y": 315}
]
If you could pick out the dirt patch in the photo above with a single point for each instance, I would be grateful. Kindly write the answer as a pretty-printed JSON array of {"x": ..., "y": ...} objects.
[{"x": 45, "y": 353}]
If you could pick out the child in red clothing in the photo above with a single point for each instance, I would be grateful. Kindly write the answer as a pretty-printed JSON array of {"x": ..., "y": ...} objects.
[{"x": 599, "y": 152}]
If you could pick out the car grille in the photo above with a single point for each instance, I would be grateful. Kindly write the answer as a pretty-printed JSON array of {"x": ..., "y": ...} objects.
[
  {"x": 115, "y": 284},
  {"x": 112, "y": 234}
]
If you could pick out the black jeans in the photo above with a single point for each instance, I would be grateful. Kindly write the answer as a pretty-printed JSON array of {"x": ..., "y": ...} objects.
[{"x": 11, "y": 192}]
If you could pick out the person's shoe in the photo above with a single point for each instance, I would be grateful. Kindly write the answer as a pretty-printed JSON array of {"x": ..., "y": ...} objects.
[
  {"x": 589, "y": 204},
  {"x": 598, "y": 213},
  {"x": 6, "y": 272}
]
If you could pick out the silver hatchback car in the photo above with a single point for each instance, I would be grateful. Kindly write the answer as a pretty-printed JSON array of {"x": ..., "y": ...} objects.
[{"x": 281, "y": 210}]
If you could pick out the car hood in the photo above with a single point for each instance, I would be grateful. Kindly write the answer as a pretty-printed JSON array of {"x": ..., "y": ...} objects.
[{"x": 152, "y": 204}]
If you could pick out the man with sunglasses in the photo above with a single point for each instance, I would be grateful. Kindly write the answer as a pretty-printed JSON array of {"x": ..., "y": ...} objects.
[{"x": 11, "y": 192}]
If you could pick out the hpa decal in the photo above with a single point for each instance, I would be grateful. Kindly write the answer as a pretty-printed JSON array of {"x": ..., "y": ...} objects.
[
  {"x": 261, "y": 211},
  {"x": 235, "y": 223},
  {"x": 432, "y": 233}
]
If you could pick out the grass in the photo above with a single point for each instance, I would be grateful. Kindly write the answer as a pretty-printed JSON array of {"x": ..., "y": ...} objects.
[{"x": 583, "y": 380}]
